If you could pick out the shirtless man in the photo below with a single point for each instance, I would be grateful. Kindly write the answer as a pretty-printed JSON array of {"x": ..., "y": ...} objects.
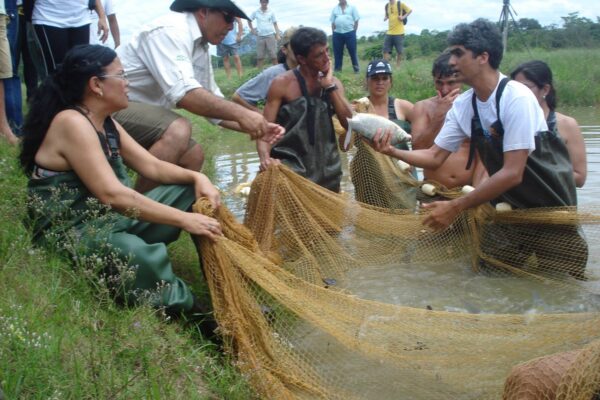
[
  {"x": 300, "y": 100},
  {"x": 428, "y": 119}
]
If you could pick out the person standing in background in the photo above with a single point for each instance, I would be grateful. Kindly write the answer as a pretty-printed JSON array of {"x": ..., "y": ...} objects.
[
  {"x": 26, "y": 35},
  {"x": 111, "y": 15},
  {"x": 12, "y": 85},
  {"x": 267, "y": 33},
  {"x": 344, "y": 23},
  {"x": 5, "y": 73},
  {"x": 396, "y": 13},
  {"x": 62, "y": 24},
  {"x": 255, "y": 90},
  {"x": 229, "y": 47}
]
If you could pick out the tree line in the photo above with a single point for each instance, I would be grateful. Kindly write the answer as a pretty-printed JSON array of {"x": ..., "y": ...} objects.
[{"x": 523, "y": 34}]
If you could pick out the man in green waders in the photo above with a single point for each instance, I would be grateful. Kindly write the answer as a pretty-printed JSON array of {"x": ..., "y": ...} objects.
[
  {"x": 303, "y": 100},
  {"x": 528, "y": 165}
]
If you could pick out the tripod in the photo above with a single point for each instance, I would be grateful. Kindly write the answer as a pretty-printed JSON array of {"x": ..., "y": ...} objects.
[{"x": 508, "y": 12}]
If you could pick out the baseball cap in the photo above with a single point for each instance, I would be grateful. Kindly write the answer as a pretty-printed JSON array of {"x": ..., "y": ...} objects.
[
  {"x": 378, "y": 67},
  {"x": 193, "y": 5},
  {"x": 287, "y": 36}
]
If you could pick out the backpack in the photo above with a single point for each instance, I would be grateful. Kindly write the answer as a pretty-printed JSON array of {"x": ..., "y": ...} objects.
[{"x": 398, "y": 4}]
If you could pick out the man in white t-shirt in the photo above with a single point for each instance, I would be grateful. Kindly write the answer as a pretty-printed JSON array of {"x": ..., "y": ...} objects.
[
  {"x": 527, "y": 165},
  {"x": 115, "y": 33},
  {"x": 476, "y": 51}
]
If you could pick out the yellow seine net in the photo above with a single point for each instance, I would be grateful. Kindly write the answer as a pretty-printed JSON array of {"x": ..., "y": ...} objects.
[{"x": 286, "y": 291}]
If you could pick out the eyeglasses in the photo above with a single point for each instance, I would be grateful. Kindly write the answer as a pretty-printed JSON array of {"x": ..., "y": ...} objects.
[
  {"x": 229, "y": 18},
  {"x": 122, "y": 76}
]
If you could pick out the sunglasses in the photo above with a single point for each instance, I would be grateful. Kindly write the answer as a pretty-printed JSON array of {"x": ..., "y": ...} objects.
[{"x": 229, "y": 18}]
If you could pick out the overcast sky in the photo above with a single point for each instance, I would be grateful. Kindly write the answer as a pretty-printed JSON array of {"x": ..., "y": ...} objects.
[{"x": 427, "y": 14}]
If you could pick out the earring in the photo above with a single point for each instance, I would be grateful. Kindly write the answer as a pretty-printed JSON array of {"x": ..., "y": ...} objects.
[
  {"x": 101, "y": 93},
  {"x": 544, "y": 97}
]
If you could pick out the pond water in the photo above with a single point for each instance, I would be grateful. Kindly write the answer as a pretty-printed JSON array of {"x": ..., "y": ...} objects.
[{"x": 444, "y": 287}]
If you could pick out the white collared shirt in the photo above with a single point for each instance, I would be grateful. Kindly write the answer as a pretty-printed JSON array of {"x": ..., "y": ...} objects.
[{"x": 167, "y": 59}]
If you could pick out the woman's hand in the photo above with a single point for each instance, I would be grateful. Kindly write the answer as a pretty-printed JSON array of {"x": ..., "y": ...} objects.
[
  {"x": 204, "y": 188},
  {"x": 199, "y": 224}
]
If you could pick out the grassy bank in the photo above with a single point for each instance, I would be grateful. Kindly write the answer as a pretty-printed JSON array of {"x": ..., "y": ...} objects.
[
  {"x": 575, "y": 72},
  {"x": 62, "y": 337}
]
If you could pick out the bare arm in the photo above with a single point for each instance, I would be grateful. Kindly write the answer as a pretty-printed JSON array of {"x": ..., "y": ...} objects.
[
  {"x": 428, "y": 118},
  {"x": 277, "y": 34},
  {"x": 571, "y": 133},
  {"x": 74, "y": 133},
  {"x": 114, "y": 29},
  {"x": 404, "y": 109},
  {"x": 342, "y": 108},
  {"x": 240, "y": 29},
  {"x": 202, "y": 102},
  {"x": 102, "y": 24},
  {"x": 423, "y": 128},
  {"x": 430, "y": 158},
  {"x": 251, "y": 27},
  {"x": 274, "y": 100},
  {"x": 442, "y": 213},
  {"x": 236, "y": 98}
]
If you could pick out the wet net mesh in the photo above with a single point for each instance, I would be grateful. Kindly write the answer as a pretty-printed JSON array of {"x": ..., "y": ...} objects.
[{"x": 287, "y": 293}]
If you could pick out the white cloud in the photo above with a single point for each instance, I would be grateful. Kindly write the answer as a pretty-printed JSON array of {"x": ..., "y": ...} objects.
[{"x": 427, "y": 14}]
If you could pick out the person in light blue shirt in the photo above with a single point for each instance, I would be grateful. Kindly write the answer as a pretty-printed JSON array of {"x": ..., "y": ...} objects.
[
  {"x": 229, "y": 47},
  {"x": 344, "y": 23},
  {"x": 267, "y": 33}
]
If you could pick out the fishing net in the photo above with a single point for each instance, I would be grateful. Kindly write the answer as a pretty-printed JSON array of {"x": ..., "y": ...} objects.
[{"x": 288, "y": 293}]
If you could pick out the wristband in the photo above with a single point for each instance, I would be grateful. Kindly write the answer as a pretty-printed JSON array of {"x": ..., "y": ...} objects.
[{"x": 330, "y": 88}]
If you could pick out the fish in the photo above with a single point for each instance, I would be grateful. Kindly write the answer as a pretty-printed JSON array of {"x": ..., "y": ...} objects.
[
  {"x": 243, "y": 189},
  {"x": 367, "y": 125}
]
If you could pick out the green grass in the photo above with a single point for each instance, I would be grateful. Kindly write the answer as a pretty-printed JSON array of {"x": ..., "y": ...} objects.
[
  {"x": 575, "y": 71},
  {"x": 61, "y": 337}
]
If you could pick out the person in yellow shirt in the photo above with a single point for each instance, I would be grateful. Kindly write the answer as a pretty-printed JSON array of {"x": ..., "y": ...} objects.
[{"x": 396, "y": 13}]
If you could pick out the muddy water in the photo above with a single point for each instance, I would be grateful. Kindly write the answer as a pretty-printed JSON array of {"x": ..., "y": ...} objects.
[{"x": 445, "y": 287}]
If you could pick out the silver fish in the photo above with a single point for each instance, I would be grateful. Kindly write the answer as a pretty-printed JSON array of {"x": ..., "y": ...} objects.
[{"x": 367, "y": 125}]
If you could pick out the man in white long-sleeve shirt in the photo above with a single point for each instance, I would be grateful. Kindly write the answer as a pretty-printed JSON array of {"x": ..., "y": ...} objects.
[{"x": 168, "y": 65}]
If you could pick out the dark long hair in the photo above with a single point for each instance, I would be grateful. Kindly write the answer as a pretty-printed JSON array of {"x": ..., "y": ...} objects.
[
  {"x": 63, "y": 89},
  {"x": 539, "y": 73}
]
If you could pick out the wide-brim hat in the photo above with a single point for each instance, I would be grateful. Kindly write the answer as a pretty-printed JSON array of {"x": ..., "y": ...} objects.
[{"x": 193, "y": 5}]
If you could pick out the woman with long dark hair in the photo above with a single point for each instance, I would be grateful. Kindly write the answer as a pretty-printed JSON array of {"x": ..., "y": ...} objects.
[
  {"x": 537, "y": 76},
  {"x": 75, "y": 155}
]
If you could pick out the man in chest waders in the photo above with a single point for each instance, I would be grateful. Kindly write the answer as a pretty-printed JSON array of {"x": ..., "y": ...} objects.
[
  {"x": 528, "y": 166},
  {"x": 303, "y": 100}
]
